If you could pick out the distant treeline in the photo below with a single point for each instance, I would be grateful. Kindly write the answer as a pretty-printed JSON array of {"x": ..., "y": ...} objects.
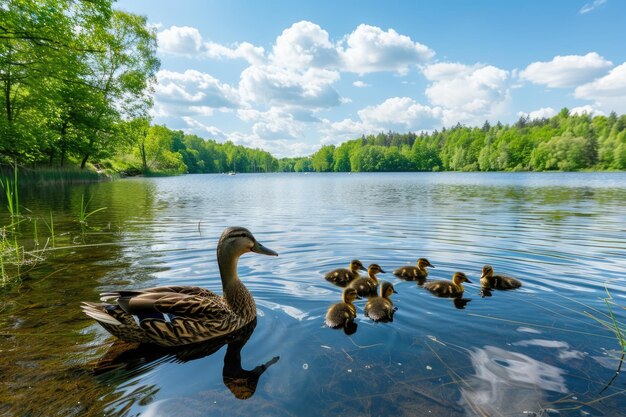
[{"x": 564, "y": 142}]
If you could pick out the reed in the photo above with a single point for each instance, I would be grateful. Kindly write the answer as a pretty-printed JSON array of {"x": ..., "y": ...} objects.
[{"x": 84, "y": 212}]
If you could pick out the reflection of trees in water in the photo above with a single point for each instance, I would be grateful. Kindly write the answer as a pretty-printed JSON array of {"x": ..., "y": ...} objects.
[{"x": 135, "y": 359}]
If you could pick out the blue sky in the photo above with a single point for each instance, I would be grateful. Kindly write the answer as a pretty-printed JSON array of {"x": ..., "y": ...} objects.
[{"x": 291, "y": 76}]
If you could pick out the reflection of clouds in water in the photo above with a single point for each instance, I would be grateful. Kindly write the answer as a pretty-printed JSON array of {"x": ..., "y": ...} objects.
[
  {"x": 528, "y": 330},
  {"x": 291, "y": 311},
  {"x": 564, "y": 350},
  {"x": 508, "y": 382}
]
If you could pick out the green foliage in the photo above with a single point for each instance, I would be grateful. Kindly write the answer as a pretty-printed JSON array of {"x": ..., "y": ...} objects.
[
  {"x": 71, "y": 73},
  {"x": 564, "y": 142}
]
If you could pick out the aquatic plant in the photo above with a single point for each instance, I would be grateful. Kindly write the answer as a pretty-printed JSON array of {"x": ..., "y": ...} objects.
[{"x": 83, "y": 213}]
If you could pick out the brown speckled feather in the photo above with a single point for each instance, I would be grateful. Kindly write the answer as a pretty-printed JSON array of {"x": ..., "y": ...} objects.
[
  {"x": 410, "y": 273},
  {"x": 184, "y": 315},
  {"x": 341, "y": 276},
  {"x": 443, "y": 288}
]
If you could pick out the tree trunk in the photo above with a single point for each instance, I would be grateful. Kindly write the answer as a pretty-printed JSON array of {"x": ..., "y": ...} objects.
[
  {"x": 84, "y": 161},
  {"x": 63, "y": 142}
]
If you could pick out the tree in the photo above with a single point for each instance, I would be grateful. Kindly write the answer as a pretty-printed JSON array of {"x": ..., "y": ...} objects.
[{"x": 322, "y": 160}]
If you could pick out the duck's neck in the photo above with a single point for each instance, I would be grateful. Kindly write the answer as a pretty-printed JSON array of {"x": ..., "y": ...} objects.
[
  {"x": 350, "y": 306},
  {"x": 235, "y": 293},
  {"x": 372, "y": 276},
  {"x": 422, "y": 269},
  {"x": 458, "y": 285}
]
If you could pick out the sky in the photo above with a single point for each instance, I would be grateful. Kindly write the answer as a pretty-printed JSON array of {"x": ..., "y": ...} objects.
[{"x": 291, "y": 76}]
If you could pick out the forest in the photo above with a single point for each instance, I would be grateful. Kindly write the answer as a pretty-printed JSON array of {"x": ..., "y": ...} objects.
[
  {"x": 564, "y": 142},
  {"x": 77, "y": 81}
]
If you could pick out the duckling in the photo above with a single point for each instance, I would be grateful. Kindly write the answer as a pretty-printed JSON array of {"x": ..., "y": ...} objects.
[
  {"x": 341, "y": 314},
  {"x": 501, "y": 282},
  {"x": 343, "y": 276},
  {"x": 414, "y": 273},
  {"x": 452, "y": 288},
  {"x": 381, "y": 308},
  {"x": 367, "y": 286}
]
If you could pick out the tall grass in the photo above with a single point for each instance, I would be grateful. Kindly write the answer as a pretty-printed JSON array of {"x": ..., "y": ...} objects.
[
  {"x": 14, "y": 256},
  {"x": 609, "y": 321},
  {"x": 84, "y": 212},
  {"x": 47, "y": 176}
]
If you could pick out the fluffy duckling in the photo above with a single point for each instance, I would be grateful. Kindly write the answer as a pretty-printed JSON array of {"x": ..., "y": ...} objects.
[
  {"x": 381, "y": 308},
  {"x": 501, "y": 282},
  {"x": 341, "y": 314},
  {"x": 343, "y": 276},
  {"x": 414, "y": 273},
  {"x": 452, "y": 288},
  {"x": 367, "y": 286}
]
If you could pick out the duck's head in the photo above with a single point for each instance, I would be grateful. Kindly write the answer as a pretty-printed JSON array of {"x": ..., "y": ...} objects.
[
  {"x": 356, "y": 265},
  {"x": 459, "y": 278},
  {"x": 423, "y": 263},
  {"x": 349, "y": 295},
  {"x": 374, "y": 269},
  {"x": 235, "y": 241},
  {"x": 387, "y": 289},
  {"x": 487, "y": 272}
]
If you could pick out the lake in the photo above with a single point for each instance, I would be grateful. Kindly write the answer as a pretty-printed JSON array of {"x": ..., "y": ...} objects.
[{"x": 533, "y": 351}]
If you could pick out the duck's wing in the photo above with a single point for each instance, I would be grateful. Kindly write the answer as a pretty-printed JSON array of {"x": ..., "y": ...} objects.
[
  {"x": 172, "y": 316},
  {"x": 340, "y": 276}
]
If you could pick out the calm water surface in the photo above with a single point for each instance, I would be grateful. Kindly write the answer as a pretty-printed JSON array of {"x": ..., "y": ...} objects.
[{"x": 533, "y": 350}]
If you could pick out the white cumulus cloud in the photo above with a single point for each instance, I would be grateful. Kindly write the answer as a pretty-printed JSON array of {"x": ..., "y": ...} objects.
[
  {"x": 198, "y": 128},
  {"x": 542, "y": 113},
  {"x": 566, "y": 71},
  {"x": 283, "y": 86},
  {"x": 304, "y": 45},
  {"x": 360, "y": 84},
  {"x": 370, "y": 49},
  {"x": 586, "y": 109},
  {"x": 180, "y": 40},
  {"x": 401, "y": 114},
  {"x": 468, "y": 94},
  {"x": 274, "y": 124},
  {"x": 179, "y": 93},
  {"x": 608, "y": 92},
  {"x": 188, "y": 42}
]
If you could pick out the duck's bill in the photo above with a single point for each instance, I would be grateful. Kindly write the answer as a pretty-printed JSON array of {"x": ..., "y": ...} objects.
[
  {"x": 381, "y": 270},
  {"x": 482, "y": 276},
  {"x": 362, "y": 268},
  {"x": 468, "y": 281},
  {"x": 395, "y": 292},
  {"x": 258, "y": 248}
]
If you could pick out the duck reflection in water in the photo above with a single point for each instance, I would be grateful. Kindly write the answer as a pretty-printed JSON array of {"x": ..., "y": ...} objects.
[
  {"x": 460, "y": 302},
  {"x": 241, "y": 382}
]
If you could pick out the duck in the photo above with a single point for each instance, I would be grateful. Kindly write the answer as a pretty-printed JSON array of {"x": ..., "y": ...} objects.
[
  {"x": 342, "y": 314},
  {"x": 367, "y": 286},
  {"x": 343, "y": 276},
  {"x": 381, "y": 308},
  {"x": 414, "y": 273},
  {"x": 501, "y": 282},
  {"x": 175, "y": 316},
  {"x": 452, "y": 288}
]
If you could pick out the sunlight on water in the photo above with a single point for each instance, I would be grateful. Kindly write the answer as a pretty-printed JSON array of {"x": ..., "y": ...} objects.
[{"x": 511, "y": 353}]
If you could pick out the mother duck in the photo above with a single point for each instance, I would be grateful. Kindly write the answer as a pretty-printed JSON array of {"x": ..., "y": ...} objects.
[{"x": 182, "y": 315}]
